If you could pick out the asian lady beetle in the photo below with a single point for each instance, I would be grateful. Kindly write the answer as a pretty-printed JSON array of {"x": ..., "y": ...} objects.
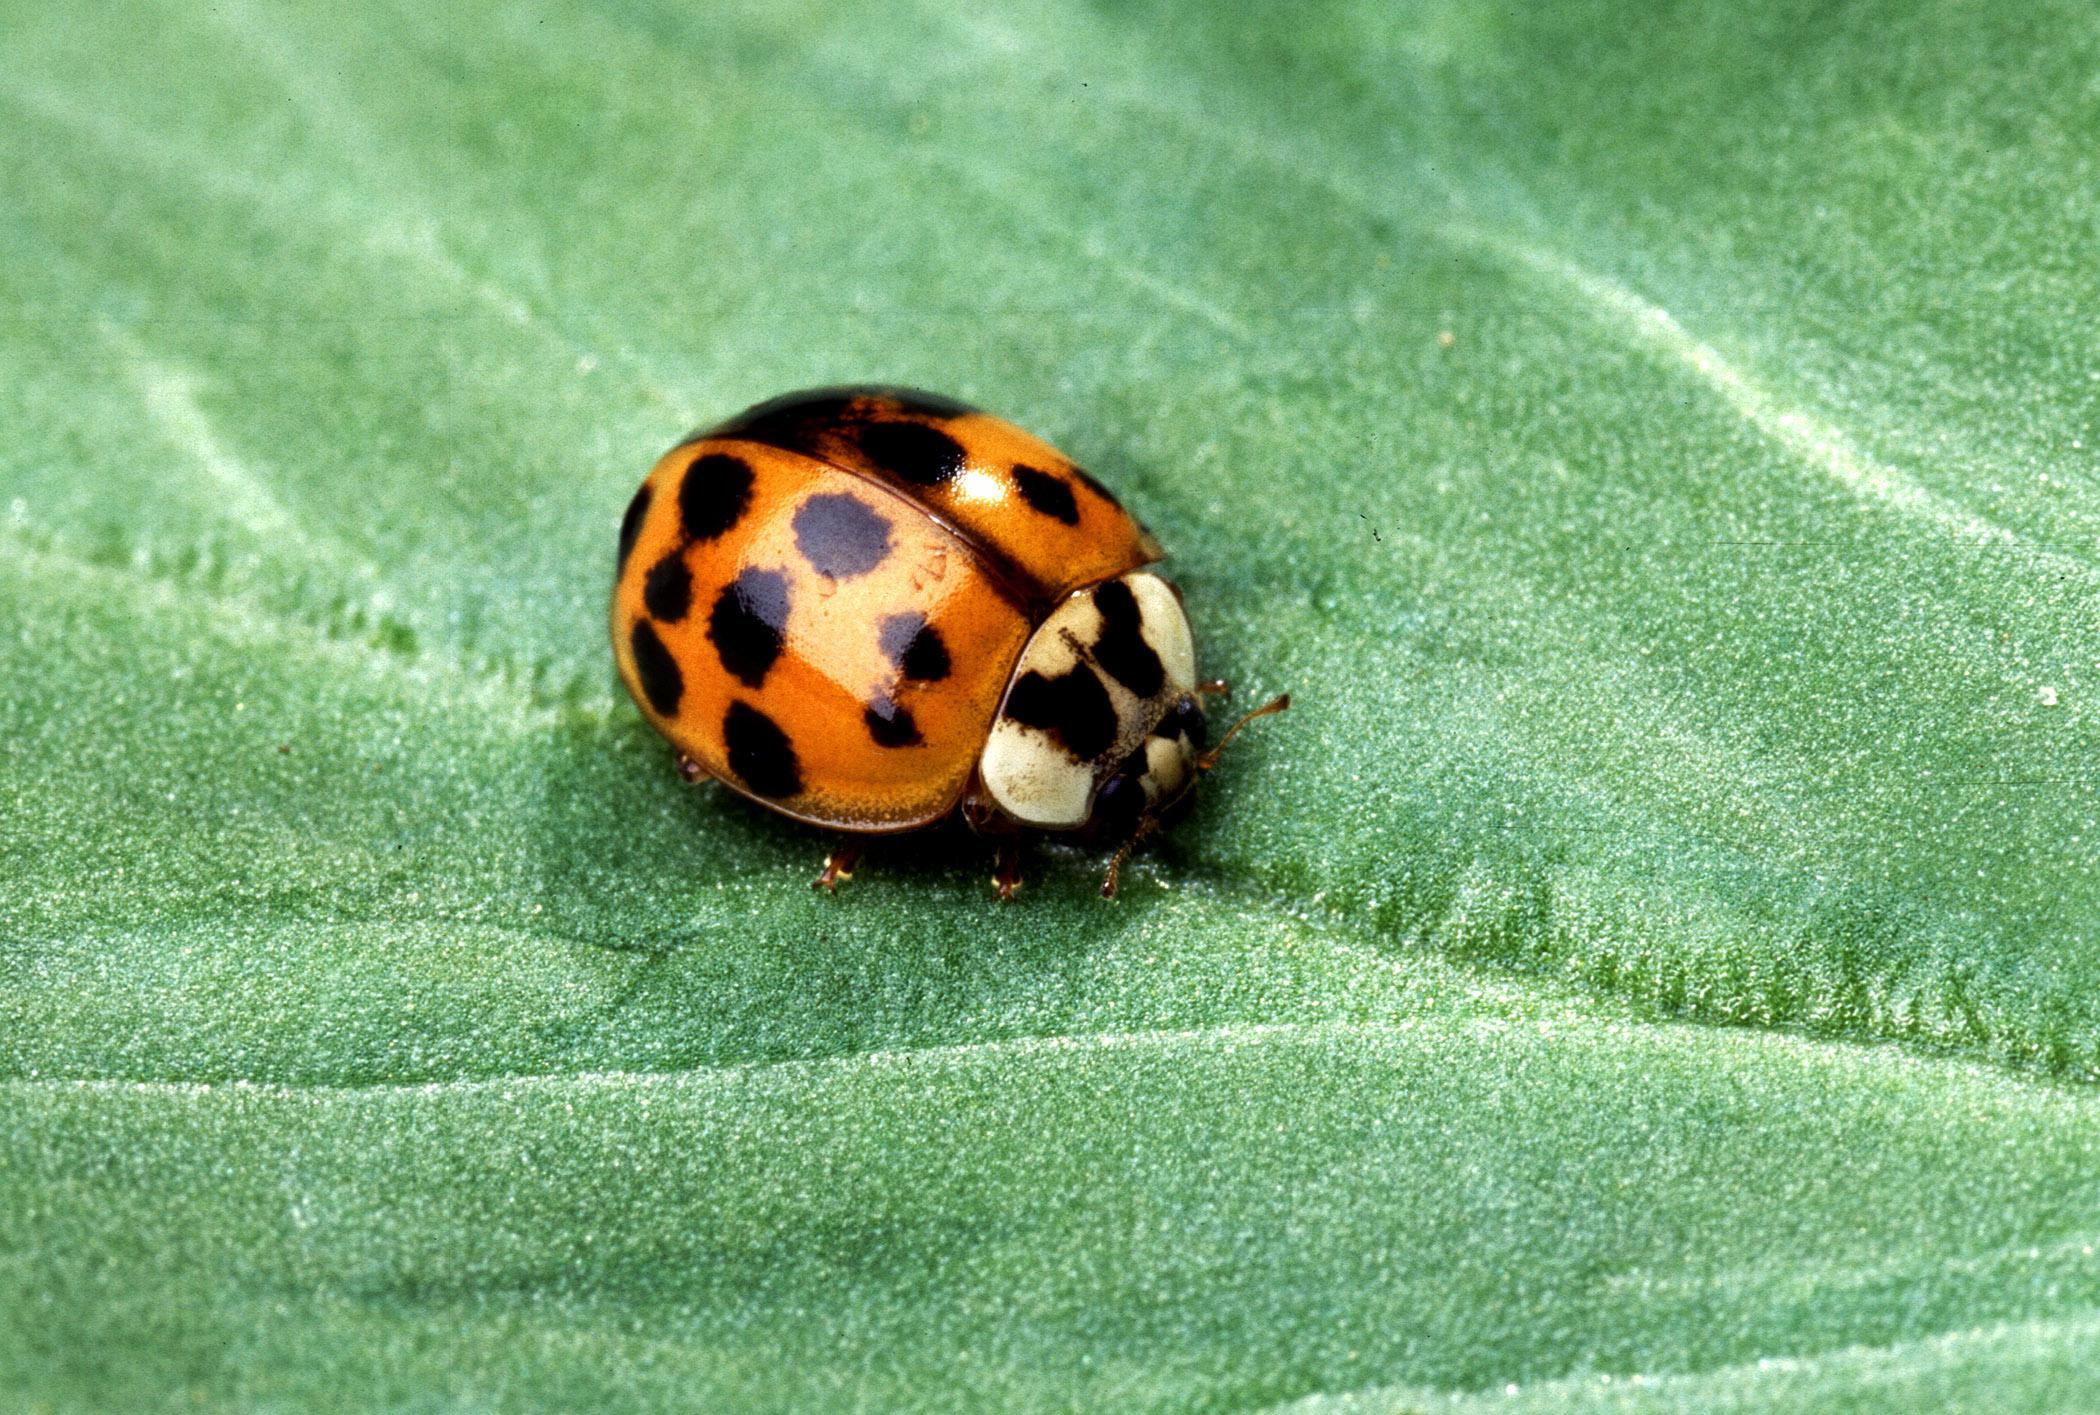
[{"x": 869, "y": 607}]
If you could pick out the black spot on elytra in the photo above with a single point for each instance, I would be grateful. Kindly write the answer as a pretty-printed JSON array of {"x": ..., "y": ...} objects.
[
  {"x": 891, "y": 725},
  {"x": 631, "y": 524},
  {"x": 714, "y": 495},
  {"x": 1047, "y": 494},
  {"x": 662, "y": 684},
  {"x": 841, "y": 535},
  {"x": 800, "y": 422},
  {"x": 915, "y": 646},
  {"x": 1087, "y": 480},
  {"x": 913, "y": 452},
  {"x": 760, "y": 754},
  {"x": 748, "y": 624},
  {"x": 668, "y": 590},
  {"x": 918, "y": 402},
  {"x": 1073, "y": 708},
  {"x": 1122, "y": 649}
]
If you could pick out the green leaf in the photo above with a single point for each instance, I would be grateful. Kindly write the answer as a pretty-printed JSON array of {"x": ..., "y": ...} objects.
[{"x": 1653, "y": 965}]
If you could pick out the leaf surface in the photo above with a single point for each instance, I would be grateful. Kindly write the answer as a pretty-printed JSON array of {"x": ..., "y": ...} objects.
[{"x": 1652, "y": 965}]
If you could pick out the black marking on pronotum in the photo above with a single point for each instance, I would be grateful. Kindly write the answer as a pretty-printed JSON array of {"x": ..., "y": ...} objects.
[
  {"x": 1047, "y": 494},
  {"x": 760, "y": 754},
  {"x": 662, "y": 684},
  {"x": 1073, "y": 708},
  {"x": 915, "y": 646},
  {"x": 891, "y": 725},
  {"x": 748, "y": 625},
  {"x": 631, "y": 524},
  {"x": 913, "y": 452},
  {"x": 1122, "y": 649},
  {"x": 714, "y": 495},
  {"x": 668, "y": 588},
  {"x": 840, "y": 535}
]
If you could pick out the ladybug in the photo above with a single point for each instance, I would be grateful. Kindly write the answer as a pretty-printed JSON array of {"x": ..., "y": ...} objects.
[{"x": 869, "y": 608}]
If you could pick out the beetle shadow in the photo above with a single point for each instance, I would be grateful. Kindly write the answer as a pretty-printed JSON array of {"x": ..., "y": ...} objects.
[{"x": 714, "y": 948}]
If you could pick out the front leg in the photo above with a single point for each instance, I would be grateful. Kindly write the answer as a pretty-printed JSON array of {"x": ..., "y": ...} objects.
[
  {"x": 1008, "y": 878},
  {"x": 838, "y": 865}
]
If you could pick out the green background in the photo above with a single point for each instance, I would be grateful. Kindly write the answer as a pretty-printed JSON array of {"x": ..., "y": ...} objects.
[{"x": 1652, "y": 966}]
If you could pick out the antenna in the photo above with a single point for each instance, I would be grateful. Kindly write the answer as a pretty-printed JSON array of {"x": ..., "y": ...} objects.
[
  {"x": 1205, "y": 762},
  {"x": 1210, "y": 758}
]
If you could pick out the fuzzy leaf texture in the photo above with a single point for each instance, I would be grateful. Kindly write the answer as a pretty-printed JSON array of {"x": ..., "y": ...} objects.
[{"x": 1653, "y": 966}]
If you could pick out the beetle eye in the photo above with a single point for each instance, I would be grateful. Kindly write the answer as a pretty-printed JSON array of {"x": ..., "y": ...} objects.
[
  {"x": 1187, "y": 720},
  {"x": 1118, "y": 805}
]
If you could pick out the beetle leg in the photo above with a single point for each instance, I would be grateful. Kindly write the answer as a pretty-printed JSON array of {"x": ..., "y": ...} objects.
[
  {"x": 1008, "y": 879},
  {"x": 838, "y": 865},
  {"x": 1115, "y": 870},
  {"x": 1214, "y": 687},
  {"x": 690, "y": 771},
  {"x": 1115, "y": 864}
]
